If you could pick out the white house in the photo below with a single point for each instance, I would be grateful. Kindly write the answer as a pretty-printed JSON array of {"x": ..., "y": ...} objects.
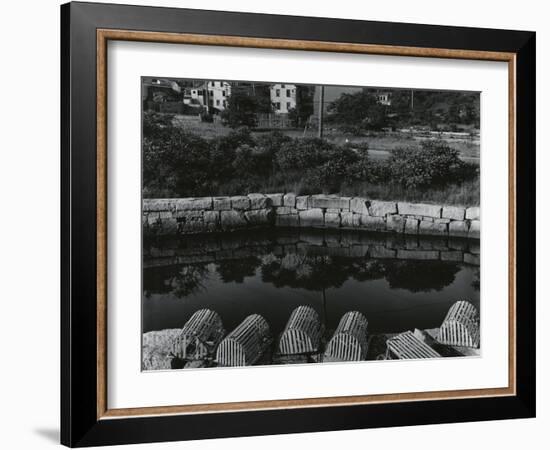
[
  {"x": 384, "y": 98},
  {"x": 283, "y": 97},
  {"x": 210, "y": 94},
  {"x": 218, "y": 94}
]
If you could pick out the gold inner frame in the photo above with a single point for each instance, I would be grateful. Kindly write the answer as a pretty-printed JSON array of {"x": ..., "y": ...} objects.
[{"x": 104, "y": 35}]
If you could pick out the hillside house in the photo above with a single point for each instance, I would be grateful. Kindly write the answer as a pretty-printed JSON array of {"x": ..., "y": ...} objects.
[{"x": 283, "y": 97}]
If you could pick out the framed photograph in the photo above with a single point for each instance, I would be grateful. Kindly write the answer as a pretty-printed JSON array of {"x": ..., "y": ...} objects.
[{"x": 277, "y": 224}]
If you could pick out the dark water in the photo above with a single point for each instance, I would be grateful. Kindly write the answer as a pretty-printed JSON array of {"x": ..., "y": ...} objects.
[{"x": 273, "y": 273}]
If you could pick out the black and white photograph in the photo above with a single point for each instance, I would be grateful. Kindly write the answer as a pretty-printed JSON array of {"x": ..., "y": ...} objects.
[{"x": 286, "y": 223}]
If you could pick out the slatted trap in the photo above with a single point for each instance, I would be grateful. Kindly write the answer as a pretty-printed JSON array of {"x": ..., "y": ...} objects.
[
  {"x": 200, "y": 336},
  {"x": 349, "y": 341},
  {"x": 407, "y": 346},
  {"x": 302, "y": 333},
  {"x": 245, "y": 344},
  {"x": 461, "y": 326}
]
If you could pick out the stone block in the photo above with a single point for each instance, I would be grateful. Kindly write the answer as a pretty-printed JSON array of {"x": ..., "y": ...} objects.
[
  {"x": 359, "y": 205},
  {"x": 329, "y": 201},
  {"x": 289, "y": 200},
  {"x": 433, "y": 243},
  {"x": 302, "y": 202},
  {"x": 191, "y": 223},
  {"x": 337, "y": 251},
  {"x": 445, "y": 221},
  {"x": 241, "y": 202},
  {"x": 459, "y": 228},
  {"x": 312, "y": 237},
  {"x": 199, "y": 203},
  {"x": 470, "y": 258},
  {"x": 411, "y": 242},
  {"x": 419, "y": 209},
  {"x": 453, "y": 212},
  {"x": 187, "y": 215},
  {"x": 451, "y": 255},
  {"x": 260, "y": 216},
  {"x": 458, "y": 244},
  {"x": 472, "y": 213},
  {"x": 474, "y": 231},
  {"x": 288, "y": 220},
  {"x": 154, "y": 205},
  {"x": 350, "y": 220},
  {"x": 212, "y": 217},
  {"x": 259, "y": 201},
  {"x": 332, "y": 239},
  {"x": 381, "y": 209},
  {"x": 232, "y": 219},
  {"x": 312, "y": 218},
  {"x": 276, "y": 199},
  {"x": 358, "y": 250},
  {"x": 427, "y": 255},
  {"x": 169, "y": 226},
  {"x": 395, "y": 222},
  {"x": 332, "y": 220},
  {"x": 285, "y": 210},
  {"x": 221, "y": 203},
  {"x": 411, "y": 226},
  {"x": 165, "y": 214},
  {"x": 373, "y": 223},
  {"x": 381, "y": 252},
  {"x": 473, "y": 247},
  {"x": 433, "y": 228}
]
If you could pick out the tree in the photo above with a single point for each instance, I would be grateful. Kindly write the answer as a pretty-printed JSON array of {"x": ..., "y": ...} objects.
[
  {"x": 304, "y": 106},
  {"x": 360, "y": 109},
  {"x": 242, "y": 107},
  {"x": 240, "y": 111}
]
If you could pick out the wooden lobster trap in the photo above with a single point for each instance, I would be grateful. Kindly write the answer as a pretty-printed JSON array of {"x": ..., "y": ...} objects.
[
  {"x": 245, "y": 344},
  {"x": 302, "y": 334},
  {"x": 407, "y": 346},
  {"x": 461, "y": 326},
  {"x": 349, "y": 341},
  {"x": 199, "y": 337}
]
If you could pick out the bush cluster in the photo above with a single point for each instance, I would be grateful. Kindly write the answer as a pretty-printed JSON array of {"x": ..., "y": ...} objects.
[{"x": 182, "y": 164}]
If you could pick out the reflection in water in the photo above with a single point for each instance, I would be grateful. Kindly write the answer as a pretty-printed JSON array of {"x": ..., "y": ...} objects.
[{"x": 272, "y": 274}]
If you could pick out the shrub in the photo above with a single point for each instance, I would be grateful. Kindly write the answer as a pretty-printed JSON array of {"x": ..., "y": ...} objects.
[
  {"x": 434, "y": 163},
  {"x": 303, "y": 153},
  {"x": 154, "y": 123}
]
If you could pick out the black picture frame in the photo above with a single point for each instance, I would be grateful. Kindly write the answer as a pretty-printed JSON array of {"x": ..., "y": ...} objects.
[{"x": 80, "y": 425}]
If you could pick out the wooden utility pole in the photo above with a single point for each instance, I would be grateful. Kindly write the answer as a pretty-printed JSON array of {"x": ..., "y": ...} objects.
[{"x": 321, "y": 111}]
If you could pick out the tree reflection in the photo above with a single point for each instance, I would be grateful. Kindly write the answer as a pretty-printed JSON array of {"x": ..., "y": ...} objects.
[
  {"x": 235, "y": 270},
  {"x": 314, "y": 267},
  {"x": 180, "y": 281},
  {"x": 420, "y": 276}
]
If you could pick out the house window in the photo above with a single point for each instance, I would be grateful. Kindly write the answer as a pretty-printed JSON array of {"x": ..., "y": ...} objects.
[
  {"x": 211, "y": 93},
  {"x": 278, "y": 105},
  {"x": 224, "y": 103},
  {"x": 288, "y": 92},
  {"x": 223, "y": 93},
  {"x": 217, "y": 103},
  {"x": 277, "y": 92},
  {"x": 287, "y": 105},
  {"x": 282, "y": 86}
]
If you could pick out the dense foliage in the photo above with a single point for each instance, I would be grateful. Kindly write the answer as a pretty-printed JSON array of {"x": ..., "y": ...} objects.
[
  {"x": 182, "y": 164},
  {"x": 361, "y": 111},
  {"x": 432, "y": 164}
]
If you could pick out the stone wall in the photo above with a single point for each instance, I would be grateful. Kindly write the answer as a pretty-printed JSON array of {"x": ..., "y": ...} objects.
[{"x": 215, "y": 214}]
